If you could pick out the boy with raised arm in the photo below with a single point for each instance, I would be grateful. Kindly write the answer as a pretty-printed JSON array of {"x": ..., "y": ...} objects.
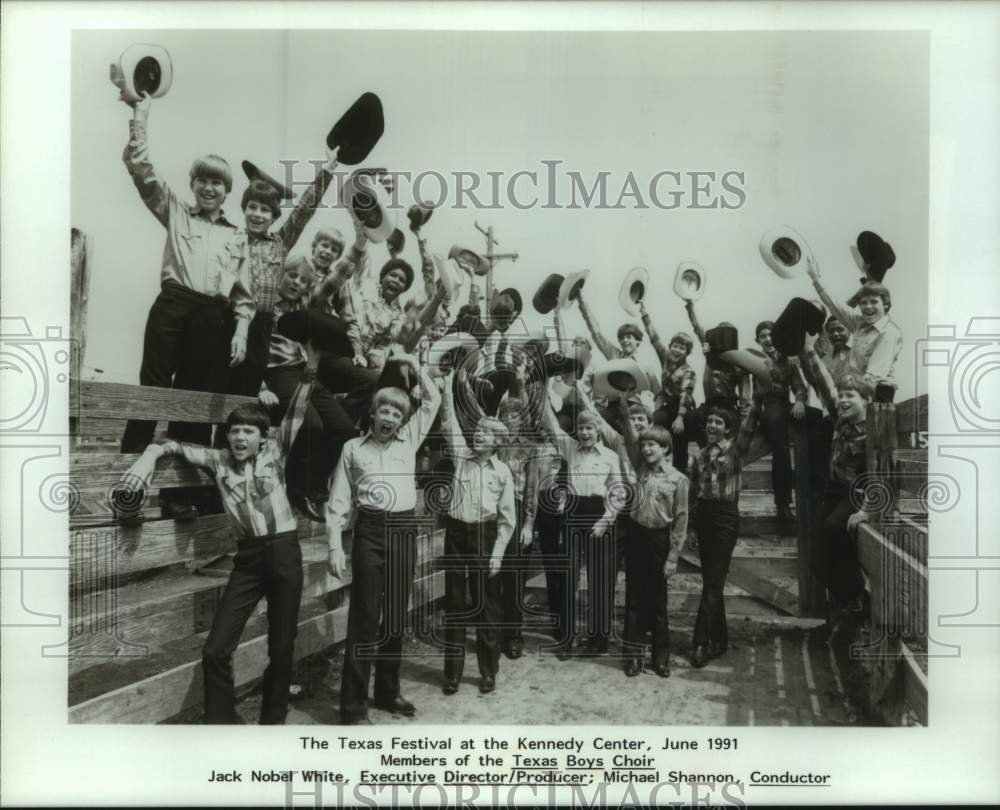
[
  {"x": 250, "y": 477},
  {"x": 375, "y": 481},
  {"x": 481, "y": 522},
  {"x": 184, "y": 345}
]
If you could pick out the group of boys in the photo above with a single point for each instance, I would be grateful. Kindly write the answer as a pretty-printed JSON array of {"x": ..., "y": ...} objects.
[{"x": 329, "y": 352}]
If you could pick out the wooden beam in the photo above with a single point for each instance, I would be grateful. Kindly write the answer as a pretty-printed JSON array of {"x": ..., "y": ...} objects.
[
  {"x": 167, "y": 694},
  {"x": 753, "y": 583},
  {"x": 79, "y": 298},
  {"x": 898, "y": 583},
  {"x": 103, "y": 400}
]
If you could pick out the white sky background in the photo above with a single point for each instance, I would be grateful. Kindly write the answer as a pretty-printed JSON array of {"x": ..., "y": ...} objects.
[{"x": 830, "y": 129}]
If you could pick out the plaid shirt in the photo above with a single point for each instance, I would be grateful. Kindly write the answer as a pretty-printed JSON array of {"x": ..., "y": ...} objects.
[
  {"x": 379, "y": 325},
  {"x": 662, "y": 502},
  {"x": 264, "y": 256},
  {"x": 849, "y": 452},
  {"x": 716, "y": 471},
  {"x": 253, "y": 494},
  {"x": 677, "y": 380}
]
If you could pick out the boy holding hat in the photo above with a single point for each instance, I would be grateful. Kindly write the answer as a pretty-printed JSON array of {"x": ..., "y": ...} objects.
[
  {"x": 261, "y": 255},
  {"x": 677, "y": 381},
  {"x": 249, "y": 475},
  {"x": 375, "y": 482},
  {"x": 714, "y": 517},
  {"x": 876, "y": 340},
  {"x": 185, "y": 338},
  {"x": 481, "y": 523}
]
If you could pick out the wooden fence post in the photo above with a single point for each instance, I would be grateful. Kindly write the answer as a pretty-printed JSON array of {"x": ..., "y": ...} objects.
[
  {"x": 79, "y": 253},
  {"x": 812, "y": 597},
  {"x": 881, "y": 442}
]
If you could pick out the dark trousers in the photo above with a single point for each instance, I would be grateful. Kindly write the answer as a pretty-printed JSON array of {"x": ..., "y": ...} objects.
[
  {"x": 184, "y": 347},
  {"x": 718, "y": 527},
  {"x": 246, "y": 378},
  {"x": 777, "y": 412},
  {"x": 269, "y": 567},
  {"x": 339, "y": 375},
  {"x": 665, "y": 416},
  {"x": 325, "y": 430},
  {"x": 383, "y": 559},
  {"x": 467, "y": 550},
  {"x": 599, "y": 553},
  {"x": 560, "y": 566},
  {"x": 835, "y": 559},
  {"x": 512, "y": 575},
  {"x": 646, "y": 588}
]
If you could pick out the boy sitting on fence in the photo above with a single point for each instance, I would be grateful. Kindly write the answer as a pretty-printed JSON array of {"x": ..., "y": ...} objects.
[
  {"x": 250, "y": 477},
  {"x": 184, "y": 345}
]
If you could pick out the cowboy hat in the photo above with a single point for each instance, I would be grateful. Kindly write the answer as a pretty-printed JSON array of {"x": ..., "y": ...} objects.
[
  {"x": 367, "y": 200},
  {"x": 633, "y": 290},
  {"x": 877, "y": 255},
  {"x": 689, "y": 281},
  {"x": 448, "y": 281},
  {"x": 469, "y": 260},
  {"x": 784, "y": 251},
  {"x": 546, "y": 297},
  {"x": 143, "y": 69},
  {"x": 571, "y": 287},
  {"x": 418, "y": 214},
  {"x": 617, "y": 376},
  {"x": 254, "y": 173},
  {"x": 444, "y": 350},
  {"x": 327, "y": 332},
  {"x": 722, "y": 338},
  {"x": 789, "y": 330},
  {"x": 358, "y": 130},
  {"x": 559, "y": 364},
  {"x": 399, "y": 371}
]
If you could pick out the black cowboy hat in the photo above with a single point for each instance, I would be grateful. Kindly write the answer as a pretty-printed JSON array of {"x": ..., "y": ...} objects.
[
  {"x": 799, "y": 316},
  {"x": 419, "y": 213},
  {"x": 397, "y": 373},
  {"x": 556, "y": 363},
  {"x": 546, "y": 297},
  {"x": 722, "y": 339},
  {"x": 254, "y": 173},
  {"x": 878, "y": 254},
  {"x": 358, "y": 130},
  {"x": 326, "y": 332}
]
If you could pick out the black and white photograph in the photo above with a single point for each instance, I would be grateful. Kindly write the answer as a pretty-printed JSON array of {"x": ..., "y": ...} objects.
[{"x": 500, "y": 407}]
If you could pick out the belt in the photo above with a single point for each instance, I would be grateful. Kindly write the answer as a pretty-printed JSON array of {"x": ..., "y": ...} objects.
[
  {"x": 270, "y": 538},
  {"x": 172, "y": 288}
]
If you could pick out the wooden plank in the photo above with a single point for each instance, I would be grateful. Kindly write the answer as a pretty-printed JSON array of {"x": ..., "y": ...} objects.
[
  {"x": 881, "y": 442},
  {"x": 169, "y": 693},
  {"x": 99, "y": 556},
  {"x": 104, "y": 400},
  {"x": 911, "y": 415},
  {"x": 178, "y": 604},
  {"x": 898, "y": 583},
  {"x": 79, "y": 298},
  {"x": 915, "y": 687},
  {"x": 758, "y": 586}
]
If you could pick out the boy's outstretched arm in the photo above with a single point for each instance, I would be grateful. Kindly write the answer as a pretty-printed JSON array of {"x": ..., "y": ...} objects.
[
  {"x": 155, "y": 192},
  {"x": 304, "y": 209},
  {"x": 607, "y": 348},
  {"x": 699, "y": 332}
]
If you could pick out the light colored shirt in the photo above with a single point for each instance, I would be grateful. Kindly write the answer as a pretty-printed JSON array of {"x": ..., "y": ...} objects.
[
  {"x": 199, "y": 253},
  {"x": 374, "y": 475},
  {"x": 483, "y": 492},
  {"x": 253, "y": 494},
  {"x": 592, "y": 471}
]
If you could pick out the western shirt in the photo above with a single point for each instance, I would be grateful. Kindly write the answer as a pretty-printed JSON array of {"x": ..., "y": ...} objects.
[
  {"x": 677, "y": 380},
  {"x": 376, "y": 475},
  {"x": 662, "y": 501},
  {"x": 253, "y": 493},
  {"x": 716, "y": 470},
  {"x": 200, "y": 253}
]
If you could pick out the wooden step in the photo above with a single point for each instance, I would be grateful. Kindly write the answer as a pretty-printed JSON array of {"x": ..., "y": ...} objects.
[
  {"x": 151, "y": 612},
  {"x": 167, "y": 693},
  {"x": 778, "y": 590}
]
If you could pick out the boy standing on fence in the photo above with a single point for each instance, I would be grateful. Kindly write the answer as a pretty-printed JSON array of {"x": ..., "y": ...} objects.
[
  {"x": 375, "y": 481},
  {"x": 185, "y": 339},
  {"x": 250, "y": 477}
]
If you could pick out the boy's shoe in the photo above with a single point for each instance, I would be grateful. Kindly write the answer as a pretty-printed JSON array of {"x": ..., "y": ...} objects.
[
  {"x": 785, "y": 514},
  {"x": 397, "y": 705},
  {"x": 717, "y": 650},
  {"x": 662, "y": 669},
  {"x": 633, "y": 667},
  {"x": 355, "y": 721},
  {"x": 450, "y": 686},
  {"x": 514, "y": 648},
  {"x": 487, "y": 683},
  {"x": 563, "y": 650},
  {"x": 699, "y": 657},
  {"x": 179, "y": 511}
]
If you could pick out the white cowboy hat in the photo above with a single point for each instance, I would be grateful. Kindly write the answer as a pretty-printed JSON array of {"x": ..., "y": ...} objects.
[
  {"x": 609, "y": 378},
  {"x": 373, "y": 196},
  {"x": 571, "y": 285},
  {"x": 784, "y": 251},
  {"x": 143, "y": 69},
  {"x": 470, "y": 260},
  {"x": 684, "y": 287},
  {"x": 444, "y": 345},
  {"x": 633, "y": 290}
]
